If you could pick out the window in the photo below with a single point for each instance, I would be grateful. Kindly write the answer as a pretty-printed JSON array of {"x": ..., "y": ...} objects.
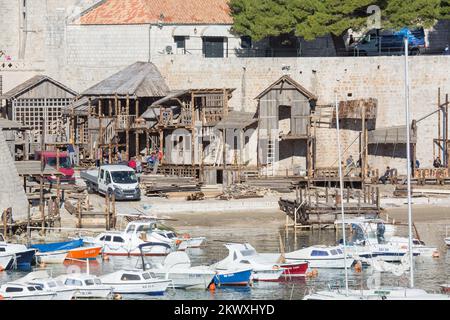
[
  {"x": 180, "y": 42},
  {"x": 319, "y": 253},
  {"x": 146, "y": 276},
  {"x": 131, "y": 229},
  {"x": 102, "y": 174},
  {"x": 31, "y": 289},
  {"x": 334, "y": 252},
  {"x": 130, "y": 277},
  {"x": 213, "y": 47},
  {"x": 14, "y": 289},
  {"x": 2, "y": 249},
  {"x": 108, "y": 178},
  {"x": 97, "y": 281},
  {"x": 73, "y": 282},
  {"x": 39, "y": 288},
  {"x": 102, "y": 238},
  {"x": 107, "y": 238},
  {"x": 340, "y": 251},
  {"x": 124, "y": 177},
  {"x": 118, "y": 239},
  {"x": 89, "y": 282},
  {"x": 246, "y": 42}
]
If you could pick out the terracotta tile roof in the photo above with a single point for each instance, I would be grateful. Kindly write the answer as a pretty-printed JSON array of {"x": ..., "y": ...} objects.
[{"x": 151, "y": 11}]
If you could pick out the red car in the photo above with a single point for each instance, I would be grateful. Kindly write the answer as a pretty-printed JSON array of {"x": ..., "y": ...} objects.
[{"x": 65, "y": 167}]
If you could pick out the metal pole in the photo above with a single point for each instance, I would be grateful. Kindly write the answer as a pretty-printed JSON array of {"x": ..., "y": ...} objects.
[
  {"x": 341, "y": 182},
  {"x": 408, "y": 164}
]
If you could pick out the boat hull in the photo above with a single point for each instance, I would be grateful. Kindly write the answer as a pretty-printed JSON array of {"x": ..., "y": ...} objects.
[
  {"x": 51, "y": 257},
  {"x": 124, "y": 252},
  {"x": 25, "y": 258},
  {"x": 84, "y": 253},
  {"x": 233, "y": 278},
  {"x": 58, "y": 246},
  {"x": 191, "y": 243},
  {"x": 187, "y": 281},
  {"x": 445, "y": 288},
  {"x": 295, "y": 269},
  {"x": 42, "y": 297},
  {"x": 64, "y": 295},
  {"x": 154, "y": 288},
  {"x": 326, "y": 263},
  {"x": 6, "y": 261},
  {"x": 93, "y": 293},
  {"x": 267, "y": 275}
]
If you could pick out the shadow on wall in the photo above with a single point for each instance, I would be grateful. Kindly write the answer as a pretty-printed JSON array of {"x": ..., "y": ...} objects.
[
  {"x": 354, "y": 124},
  {"x": 388, "y": 150},
  {"x": 292, "y": 148},
  {"x": 439, "y": 37}
]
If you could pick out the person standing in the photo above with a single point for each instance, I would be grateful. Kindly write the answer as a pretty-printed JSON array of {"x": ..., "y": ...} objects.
[
  {"x": 446, "y": 50},
  {"x": 71, "y": 152},
  {"x": 132, "y": 164}
]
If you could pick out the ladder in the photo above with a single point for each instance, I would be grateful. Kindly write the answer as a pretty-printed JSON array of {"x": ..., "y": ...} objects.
[{"x": 270, "y": 157}]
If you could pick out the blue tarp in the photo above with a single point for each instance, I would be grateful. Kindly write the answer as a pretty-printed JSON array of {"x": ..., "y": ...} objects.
[{"x": 58, "y": 246}]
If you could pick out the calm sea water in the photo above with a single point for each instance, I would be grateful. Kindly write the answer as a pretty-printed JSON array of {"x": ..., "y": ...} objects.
[{"x": 429, "y": 272}]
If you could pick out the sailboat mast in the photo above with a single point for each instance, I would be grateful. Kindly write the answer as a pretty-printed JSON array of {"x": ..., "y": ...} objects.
[
  {"x": 408, "y": 163},
  {"x": 341, "y": 184}
]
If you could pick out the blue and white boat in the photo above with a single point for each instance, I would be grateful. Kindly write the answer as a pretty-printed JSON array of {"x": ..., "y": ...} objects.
[
  {"x": 233, "y": 277},
  {"x": 23, "y": 256},
  {"x": 58, "y": 246}
]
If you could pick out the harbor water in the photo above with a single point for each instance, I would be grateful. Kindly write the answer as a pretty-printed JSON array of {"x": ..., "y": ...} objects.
[{"x": 429, "y": 272}]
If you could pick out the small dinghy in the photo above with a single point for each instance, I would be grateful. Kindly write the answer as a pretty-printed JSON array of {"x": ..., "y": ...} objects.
[
  {"x": 21, "y": 291},
  {"x": 55, "y": 257},
  {"x": 58, "y": 246},
  {"x": 177, "y": 267},
  {"x": 233, "y": 277},
  {"x": 135, "y": 282},
  {"x": 42, "y": 279},
  {"x": 84, "y": 253}
]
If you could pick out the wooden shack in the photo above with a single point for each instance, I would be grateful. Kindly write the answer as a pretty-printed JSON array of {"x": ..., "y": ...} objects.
[
  {"x": 285, "y": 141},
  {"x": 37, "y": 104},
  {"x": 108, "y": 116}
]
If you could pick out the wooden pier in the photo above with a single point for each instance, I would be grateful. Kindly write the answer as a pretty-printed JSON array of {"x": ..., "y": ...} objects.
[{"x": 321, "y": 206}]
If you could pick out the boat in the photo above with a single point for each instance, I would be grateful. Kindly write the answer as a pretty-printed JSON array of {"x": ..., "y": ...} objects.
[
  {"x": 53, "y": 257},
  {"x": 6, "y": 260},
  {"x": 445, "y": 287},
  {"x": 127, "y": 243},
  {"x": 42, "y": 279},
  {"x": 58, "y": 246},
  {"x": 322, "y": 257},
  {"x": 87, "y": 286},
  {"x": 236, "y": 260},
  {"x": 177, "y": 267},
  {"x": 233, "y": 277},
  {"x": 135, "y": 282},
  {"x": 266, "y": 266},
  {"x": 418, "y": 246},
  {"x": 85, "y": 253},
  {"x": 184, "y": 242},
  {"x": 23, "y": 256},
  {"x": 20, "y": 291}
]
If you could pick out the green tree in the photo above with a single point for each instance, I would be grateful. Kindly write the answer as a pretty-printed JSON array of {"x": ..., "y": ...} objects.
[{"x": 314, "y": 18}]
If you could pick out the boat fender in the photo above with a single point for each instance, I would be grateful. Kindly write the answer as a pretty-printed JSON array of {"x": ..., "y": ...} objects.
[
  {"x": 2, "y": 269},
  {"x": 212, "y": 287},
  {"x": 436, "y": 254},
  {"x": 358, "y": 266},
  {"x": 2, "y": 297},
  {"x": 315, "y": 273},
  {"x": 178, "y": 242},
  {"x": 117, "y": 297},
  {"x": 105, "y": 257}
]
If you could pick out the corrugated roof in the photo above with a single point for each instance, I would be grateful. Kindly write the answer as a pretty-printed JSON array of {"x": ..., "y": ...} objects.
[
  {"x": 158, "y": 11},
  {"x": 288, "y": 79},
  {"x": 30, "y": 83},
  {"x": 141, "y": 79}
]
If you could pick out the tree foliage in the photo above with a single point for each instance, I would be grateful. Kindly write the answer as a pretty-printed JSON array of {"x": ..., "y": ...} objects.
[{"x": 314, "y": 18}]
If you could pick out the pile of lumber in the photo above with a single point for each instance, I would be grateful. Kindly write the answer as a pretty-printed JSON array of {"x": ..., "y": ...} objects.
[
  {"x": 240, "y": 191},
  {"x": 161, "y": 186},
  {"x": 278, "y": 184}
]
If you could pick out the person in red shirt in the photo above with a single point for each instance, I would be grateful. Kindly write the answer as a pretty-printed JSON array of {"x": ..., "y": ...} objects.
[{"x": 132, "y": 163}]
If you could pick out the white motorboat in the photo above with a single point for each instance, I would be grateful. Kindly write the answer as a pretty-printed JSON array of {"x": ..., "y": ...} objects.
[
  {"x": 21, "y": 291},
  {"x": 447, "y": 242},
  {"x": 54, "y": 257},
  {"x": 418, "y": 246},
  {"x": 177, "y": 267},
  {"x": 376, "y": 294},
  {"x": 261, "y": 270},
  {"x": 322, "y": 257},
  {"x": 42, "y": 279},
  {"x": 87, "y": 286},
  {"x": 135, "y": 282},
  {"x": 6, "y": 260},
  {"x": 127, "y": 243},
  {"x": 184, "y": 242}
]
